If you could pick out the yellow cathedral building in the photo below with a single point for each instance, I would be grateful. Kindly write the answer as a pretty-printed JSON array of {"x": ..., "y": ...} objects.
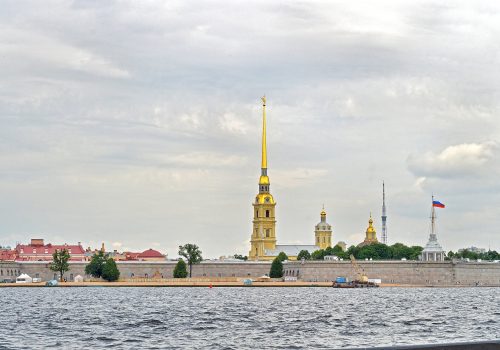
[
  {"x": 263, "y": 238},
  {"x": 370, "y": 235}
]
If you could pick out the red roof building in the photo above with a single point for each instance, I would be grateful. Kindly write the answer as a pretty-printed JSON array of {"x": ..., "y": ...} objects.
[
  {"x": 7, "y": 255},
  {"x": 147, "y": 255},
  {"x": 38, "y": 251},
  {"x": 151, "y": 254}
]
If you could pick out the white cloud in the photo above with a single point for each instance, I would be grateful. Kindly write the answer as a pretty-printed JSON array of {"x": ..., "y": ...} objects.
[{"x": 455, "y": 161}]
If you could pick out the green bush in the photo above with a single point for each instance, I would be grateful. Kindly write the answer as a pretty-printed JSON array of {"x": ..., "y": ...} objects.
[
  {"x": 276, "y": 269},
  {"x": 180, "y": 270},
  {"x": 110, "y": 271}
]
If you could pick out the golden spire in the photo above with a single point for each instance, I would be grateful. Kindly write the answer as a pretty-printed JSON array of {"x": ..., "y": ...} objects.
[
  {"x": 323, "y": 212},
  {"x": 264, "y": 179},
  {"x": 264, "y": 148}
]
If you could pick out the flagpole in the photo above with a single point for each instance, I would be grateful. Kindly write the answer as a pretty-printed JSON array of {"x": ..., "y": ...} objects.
[{"x": 433, "y": 216}]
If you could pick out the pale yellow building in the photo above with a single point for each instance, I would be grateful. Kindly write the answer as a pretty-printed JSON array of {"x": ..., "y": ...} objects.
[{"x": 323, "y": 232}]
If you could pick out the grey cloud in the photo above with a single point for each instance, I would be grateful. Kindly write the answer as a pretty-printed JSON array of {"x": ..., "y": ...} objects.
[{"x": 145, "y": 116}]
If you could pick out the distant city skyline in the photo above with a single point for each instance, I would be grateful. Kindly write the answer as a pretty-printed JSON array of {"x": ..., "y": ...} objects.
[{"x": 138, "y": 125}]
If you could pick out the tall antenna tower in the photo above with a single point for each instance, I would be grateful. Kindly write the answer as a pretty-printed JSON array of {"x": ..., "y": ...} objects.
[{"x": 384, "y": 216}]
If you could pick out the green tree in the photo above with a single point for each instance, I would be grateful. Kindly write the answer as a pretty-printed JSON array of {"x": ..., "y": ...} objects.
[
  {"x": 110, "y": 271},
  {"x": 60, "y": 262},
  {"x": 318, "y": 254},
  {"x": 415, "y": 253},
  {"x": 276, "y": 269},
  {"x": 180, "y": 270},
  {"x": 450, "y": 255},
  {"x": 352, "y": 250},
  {"x": 96, "y": 264},
  {"x": 240, "y": 257},
  {"x": 304, "y": 254},
  {"x": 192, "y": 254},
  {"x": 282, "y": 256}
]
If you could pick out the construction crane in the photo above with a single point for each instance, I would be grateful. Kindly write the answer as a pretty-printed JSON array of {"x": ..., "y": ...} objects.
[{"x": 360, "y": 272}]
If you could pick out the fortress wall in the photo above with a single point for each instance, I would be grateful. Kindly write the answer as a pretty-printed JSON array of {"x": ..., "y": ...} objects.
[
  {"x": 401, "y": 272},
  {"x": 397, "y": 272},
  {"x": 141, "y": 269}
]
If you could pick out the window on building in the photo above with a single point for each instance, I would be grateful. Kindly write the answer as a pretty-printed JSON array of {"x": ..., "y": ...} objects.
[
  {"x": 37, "y": 275},
  {"x": 55, "y": 276},
  {"x": 34, "y": 251},
  {"x": 256, "y": 213},
  {"x": 267, "y": 232},
  {"x": 1, "y": 272},
  {"x": 46, "y": 251},
  {"x": 71, "y": 277},
  {"x": 69, "y": 251},
  {"x": 267, "y": 213},
  {"x": 22, "y": 251}
]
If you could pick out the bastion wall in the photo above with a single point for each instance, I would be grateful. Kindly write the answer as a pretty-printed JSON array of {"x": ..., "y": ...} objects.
[
  {"x": 401, "y": 272},
  {"x": 136, "y": 269}
]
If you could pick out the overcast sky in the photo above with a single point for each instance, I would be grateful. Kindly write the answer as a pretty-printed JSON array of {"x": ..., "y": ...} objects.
[{"x": 138, "y": 123}]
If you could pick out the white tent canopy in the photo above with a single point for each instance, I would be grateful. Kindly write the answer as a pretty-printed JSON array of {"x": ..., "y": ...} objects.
[
  {"x": 24, "y": 278},
  {"x": 78, "y": 278}
]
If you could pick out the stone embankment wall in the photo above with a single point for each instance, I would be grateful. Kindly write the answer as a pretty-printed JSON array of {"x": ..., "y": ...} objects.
[
  {"x": 135, "y": 269},
  {"x": 446, "y": 273}
]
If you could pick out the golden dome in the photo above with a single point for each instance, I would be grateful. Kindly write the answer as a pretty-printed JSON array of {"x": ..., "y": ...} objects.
[
  {"x": 264, "y": 180},
  {"x": 370, "y": 228},
  {"x": 264, "y": 198},
  {"x": 323, "y": 212}
]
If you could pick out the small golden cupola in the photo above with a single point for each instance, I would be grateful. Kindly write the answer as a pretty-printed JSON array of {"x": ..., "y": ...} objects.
[{"x": 371, "y": 234}]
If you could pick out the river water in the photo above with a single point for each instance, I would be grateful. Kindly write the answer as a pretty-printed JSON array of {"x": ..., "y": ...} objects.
[{"x": 244, "y": 318}]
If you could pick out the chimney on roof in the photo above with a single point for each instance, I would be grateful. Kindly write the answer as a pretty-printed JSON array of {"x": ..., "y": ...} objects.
[{"x": 37, "y": 241}]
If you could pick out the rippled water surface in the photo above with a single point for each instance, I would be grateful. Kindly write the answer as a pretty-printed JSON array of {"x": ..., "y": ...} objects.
[{"x": 236, "y": 318}]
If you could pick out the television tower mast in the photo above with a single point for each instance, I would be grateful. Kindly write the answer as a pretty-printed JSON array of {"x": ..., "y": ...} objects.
[{"x": 384, "y": 216}]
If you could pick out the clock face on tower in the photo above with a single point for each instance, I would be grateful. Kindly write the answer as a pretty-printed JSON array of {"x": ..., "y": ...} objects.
[{"x": 268, "y": 199}]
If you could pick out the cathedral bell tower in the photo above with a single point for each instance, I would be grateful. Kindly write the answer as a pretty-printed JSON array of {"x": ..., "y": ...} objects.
[
  {"x": 264, "y": 221},
  {"x": 323, "y": 232}
]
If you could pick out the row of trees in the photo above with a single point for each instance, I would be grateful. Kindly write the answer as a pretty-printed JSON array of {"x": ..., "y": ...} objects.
[
  {"x": 103, "y": 266},
  {"x": 467, "y": 254},
  {"x": 377, "y": 251},
  {"x": 100, "y": 266}
]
